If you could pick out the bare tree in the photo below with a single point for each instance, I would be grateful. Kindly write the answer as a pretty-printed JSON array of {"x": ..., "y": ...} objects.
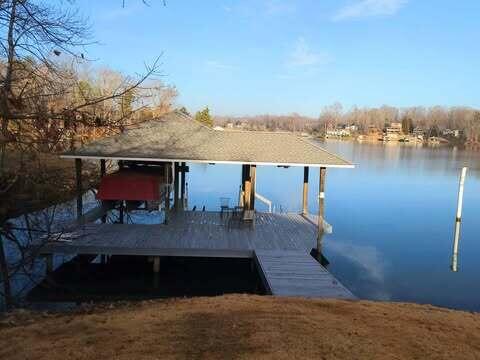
[{"x": 44, "y": 100}]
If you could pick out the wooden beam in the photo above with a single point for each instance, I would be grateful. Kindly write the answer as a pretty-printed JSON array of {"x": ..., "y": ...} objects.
[
  {"x": 305, "y": 191},
  {"x": 247, "y": 187},
  {"x": 253, "y": 176},
  {"x": 321, "y": 209},
  {"x": 78, "y": 173}
]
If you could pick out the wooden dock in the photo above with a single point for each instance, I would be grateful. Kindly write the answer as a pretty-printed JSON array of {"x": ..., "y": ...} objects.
[
  {"x": 296, "y": 273},
  {"x": 280, "y": 244},
  {"x": 189, "y": 233}
]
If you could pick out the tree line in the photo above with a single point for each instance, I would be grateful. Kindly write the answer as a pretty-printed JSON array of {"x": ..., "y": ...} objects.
[{"x": 430, "y": 119}]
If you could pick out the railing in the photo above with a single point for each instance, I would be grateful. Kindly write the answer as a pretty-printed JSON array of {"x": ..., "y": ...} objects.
[
  {"x": 265, "y": 201},
  {"x": 257, "y": 196}
]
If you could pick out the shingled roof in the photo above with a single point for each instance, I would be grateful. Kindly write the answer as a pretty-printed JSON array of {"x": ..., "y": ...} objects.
[{"x": 177, "y": 137}]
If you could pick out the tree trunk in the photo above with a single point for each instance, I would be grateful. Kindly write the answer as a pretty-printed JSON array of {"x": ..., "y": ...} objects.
[{"x": 7, "y": 85}]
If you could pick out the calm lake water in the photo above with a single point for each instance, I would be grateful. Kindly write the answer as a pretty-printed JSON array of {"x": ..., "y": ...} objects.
[{"x": 392, "y": 216}]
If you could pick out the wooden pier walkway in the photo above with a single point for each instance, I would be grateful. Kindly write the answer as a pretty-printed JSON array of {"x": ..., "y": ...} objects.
[
  {"x": 296, "y": 273},
  {"x": 189, "y": 233},
  {"x": 279, "y": 243}
]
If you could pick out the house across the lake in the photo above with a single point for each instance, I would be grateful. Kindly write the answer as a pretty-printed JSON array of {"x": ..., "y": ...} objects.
[{"x": 151, "y": 167}]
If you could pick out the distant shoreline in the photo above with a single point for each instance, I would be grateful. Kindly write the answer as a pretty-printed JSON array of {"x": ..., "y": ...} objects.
[{"x": 416, "y": 143}]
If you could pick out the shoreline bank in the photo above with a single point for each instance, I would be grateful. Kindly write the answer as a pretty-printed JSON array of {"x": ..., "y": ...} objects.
[{"x": 243, "y": 326}]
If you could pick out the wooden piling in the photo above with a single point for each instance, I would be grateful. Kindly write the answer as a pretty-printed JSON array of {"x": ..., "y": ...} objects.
[
  {"x": 247, "y": 195},
  {"x": 167, "y": 192},
  {"x": 121, "y": 212},
  {"x": 78, "y": 172},
  {"x": 156, "y": 271},
  {"x": 156, "y": 264},
  {"x": 103, "y": 171},
  {"x": 176, "y": 185},
  {"x": 247, "y": 187},
  {"x": 305, "y": 191},
  {"x": 242, "y": 187},
  {"x": 321, "y": 209},
  {"x": 458, "y": 220},
  {"x": 253, "y": 177},
  {"x": 182, "y": 185}
]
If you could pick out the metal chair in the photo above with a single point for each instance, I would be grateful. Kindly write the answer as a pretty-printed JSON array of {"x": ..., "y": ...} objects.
[
  {"x": 236, "y": 218},
  {"x": 224, "y": 205}
]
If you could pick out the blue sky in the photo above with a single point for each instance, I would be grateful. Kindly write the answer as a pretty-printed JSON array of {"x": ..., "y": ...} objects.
[{"x": 283, "y": 56}]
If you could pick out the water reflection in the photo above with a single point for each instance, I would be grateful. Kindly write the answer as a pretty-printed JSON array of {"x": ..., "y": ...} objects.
[
  {"x": 366, "y": 268},
  {"x": 393, "y": 218}
]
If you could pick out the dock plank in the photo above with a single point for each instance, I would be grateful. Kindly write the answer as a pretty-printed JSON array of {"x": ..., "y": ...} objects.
[{"x": 296, "y": 273}]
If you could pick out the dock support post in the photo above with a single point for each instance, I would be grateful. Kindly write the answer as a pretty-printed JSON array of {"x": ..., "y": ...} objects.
[
  {"x": 458, "y": 220},
  {"x": 242, "y": 190},
  {"x": 78, "y": 173},
  {"x": 167, "y": 192},
  {"x": 305, "y": 191},
  {"x": 176, "y": 184},
  {"x": 321, "y": 210},
  {"x": 182, "y": 186},
  {"x": 121, "y": 212},
  {"x": 103, "y": 171},
  {"x": 247, "y": 186},
  {"x": 253, "y": 176},
  {"x": 156, "y": 271}
]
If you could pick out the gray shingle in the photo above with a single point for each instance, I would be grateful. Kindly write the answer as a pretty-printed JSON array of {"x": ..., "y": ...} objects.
[{"x": 175, "y": 136}]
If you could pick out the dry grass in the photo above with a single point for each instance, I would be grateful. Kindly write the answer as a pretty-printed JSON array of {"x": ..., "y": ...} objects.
[{"x": 243, "y": 326}]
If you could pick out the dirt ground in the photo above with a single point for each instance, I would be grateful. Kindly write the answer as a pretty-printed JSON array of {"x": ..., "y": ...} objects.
[{"x": 243, "y": 326}]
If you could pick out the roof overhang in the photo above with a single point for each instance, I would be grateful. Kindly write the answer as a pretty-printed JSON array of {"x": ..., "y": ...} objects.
[{"x": 116, "y": 158}]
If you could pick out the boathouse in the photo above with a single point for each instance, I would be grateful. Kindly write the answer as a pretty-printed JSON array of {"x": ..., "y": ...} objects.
[{"x": 150, "y": 169}]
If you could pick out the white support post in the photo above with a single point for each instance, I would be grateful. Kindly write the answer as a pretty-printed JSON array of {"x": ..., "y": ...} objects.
[{"x": 458, "y": 220}]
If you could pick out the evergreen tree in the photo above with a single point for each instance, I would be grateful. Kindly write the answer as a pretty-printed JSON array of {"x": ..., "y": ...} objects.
[
  {"x": 204, "y": 117},
  {"x": 184, "y": 110}
]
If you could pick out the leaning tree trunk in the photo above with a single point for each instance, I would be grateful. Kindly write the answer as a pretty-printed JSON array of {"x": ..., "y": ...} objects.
[{"x": 7, "y": 84}]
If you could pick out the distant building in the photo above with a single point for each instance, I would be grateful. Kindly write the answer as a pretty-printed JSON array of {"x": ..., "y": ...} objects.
[
  {"x": 339, "y": 132},
  {"x": 418, "y": 131},
  {"x": 218, "y": 128},
  {"x": 451, "y": 133},
  {"x": 393, "y": 132}
]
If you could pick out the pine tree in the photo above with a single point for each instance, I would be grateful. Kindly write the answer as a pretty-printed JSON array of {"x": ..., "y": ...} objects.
[{"x": 204, "y": 117}]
